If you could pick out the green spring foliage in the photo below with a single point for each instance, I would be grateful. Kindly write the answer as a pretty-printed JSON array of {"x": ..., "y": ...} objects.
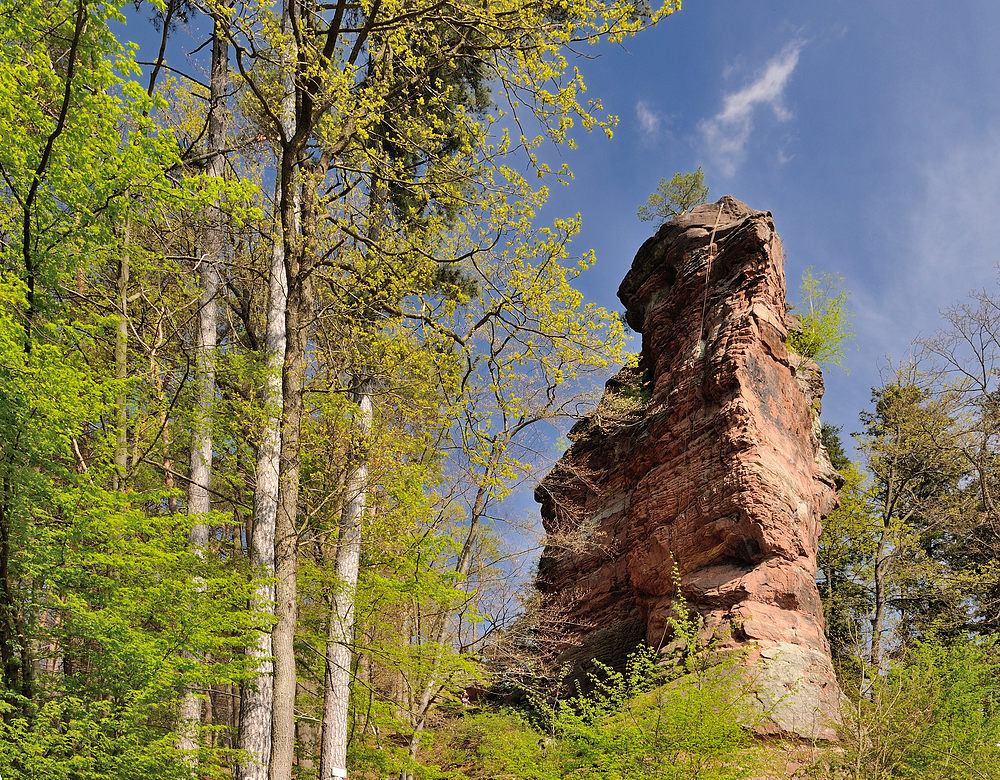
[
  {"x": 934, "y": 715},
  {"x": 641, "y": 723},
  {"x": 110, "y": 588},
  {"x": 826, "y": 321},
  {"x": 676, "y": 714},
  {"x": 672, "y": 198}
]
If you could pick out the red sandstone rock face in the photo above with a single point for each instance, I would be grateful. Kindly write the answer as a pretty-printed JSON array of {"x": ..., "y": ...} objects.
[{"x": 704, "y": 460}]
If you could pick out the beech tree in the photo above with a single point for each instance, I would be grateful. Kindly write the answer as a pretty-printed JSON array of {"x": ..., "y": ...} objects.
[
  {"x": 257, "y": 697},
  {"x": 531, "y": 346},
  {"x": 212, "y": 247}
]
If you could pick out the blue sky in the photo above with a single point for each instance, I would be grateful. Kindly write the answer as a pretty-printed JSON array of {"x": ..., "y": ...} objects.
[{"x": 871, "y": 130}]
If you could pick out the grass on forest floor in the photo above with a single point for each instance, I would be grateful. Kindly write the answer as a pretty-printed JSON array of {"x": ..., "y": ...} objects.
[{"x": 503, "y": 745}]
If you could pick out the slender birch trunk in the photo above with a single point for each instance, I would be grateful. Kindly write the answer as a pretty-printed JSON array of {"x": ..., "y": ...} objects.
[
  {"x": 212, "y": 241},
  {"x": 337, "y": 676}
]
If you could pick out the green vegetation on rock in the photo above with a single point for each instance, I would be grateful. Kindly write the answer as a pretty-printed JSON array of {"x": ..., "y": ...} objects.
[
  {"x": 825, "y": 321},
  {"x": 672, "y": 198}
]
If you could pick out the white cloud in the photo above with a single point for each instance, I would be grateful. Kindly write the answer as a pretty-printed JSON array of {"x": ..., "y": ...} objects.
[
  {"x": 726, "y": 134},
  {"x": 649, "y": 120}
]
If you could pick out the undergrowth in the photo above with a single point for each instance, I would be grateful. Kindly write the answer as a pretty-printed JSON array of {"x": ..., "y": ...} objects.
[{"x": 684, "y": 716}]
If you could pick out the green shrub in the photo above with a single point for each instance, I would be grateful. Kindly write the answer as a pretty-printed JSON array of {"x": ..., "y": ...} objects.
[
  {"x": 826, "y": 322},
  {"x": 934, "y": 715},
  {"x": 71, "y": 739},
  {"x": 680, "y": 723}
]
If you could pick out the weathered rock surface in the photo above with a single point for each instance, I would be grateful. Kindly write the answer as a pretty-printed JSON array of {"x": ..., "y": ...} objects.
[{"x": 702, "y": 465}]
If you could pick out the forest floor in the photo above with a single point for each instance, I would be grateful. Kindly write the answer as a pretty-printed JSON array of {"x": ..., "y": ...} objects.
[
  {"x": 501, "y": 745},
  {"x": 787, "y": 759}
]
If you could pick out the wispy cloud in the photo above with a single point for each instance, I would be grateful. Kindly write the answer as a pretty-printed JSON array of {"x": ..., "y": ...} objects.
[
  {"x": 649, "y": 120},
  {"x": 951, "y": 247},
  {"x": 726, "y": 134},
  {"x": 929, "y": 241}
]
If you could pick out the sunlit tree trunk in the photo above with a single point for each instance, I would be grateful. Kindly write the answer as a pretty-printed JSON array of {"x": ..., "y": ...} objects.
[
  {"x": 212, "y": 244},
  {"x": 337, "y": 676},
  {"x": 257, "y": 698},
  {"x": 286, "y": 533},
  {"x": 298, "y": 228},
  {"x": 880, "y": 576},
  {"x": 121, "y": 365}
]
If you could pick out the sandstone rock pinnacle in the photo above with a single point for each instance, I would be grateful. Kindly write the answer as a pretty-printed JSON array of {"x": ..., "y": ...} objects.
[{"x": 703, "y": 459}]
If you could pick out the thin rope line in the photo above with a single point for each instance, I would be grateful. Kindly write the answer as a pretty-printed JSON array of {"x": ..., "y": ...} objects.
[{"x": 708, "y": 274}]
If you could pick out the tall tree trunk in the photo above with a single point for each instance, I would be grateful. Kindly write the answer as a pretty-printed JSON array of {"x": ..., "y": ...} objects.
[
  {"x": 16, "y": 672},
  {"x": 212, "y": 244},
  {"x": 295, "y": 212},
  {"x": 340, "y": 633},
  {"x": 257, "y": 698},
  {"x": 878, "y": 617},
  {"x": 121, "y": 365},
  {"x": 286, "y": 533},
  {"x": 337, "y": 677}
]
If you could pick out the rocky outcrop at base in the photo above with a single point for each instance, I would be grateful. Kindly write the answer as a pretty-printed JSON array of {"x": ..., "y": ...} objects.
[{"x": 702, "y": 469}]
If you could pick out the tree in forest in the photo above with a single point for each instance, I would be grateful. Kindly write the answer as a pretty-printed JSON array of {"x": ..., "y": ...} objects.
[
  {"x": 99, "y": 587},
  {"x": 404, "y": 547},
  {"x": 909, "y": 478},
  {"x": 672, "y": 198},
  {"x": 961, "y": 362},
  {"x": 342, "y": 98},
  {"x": 870, "y": 551},
  {"x": 845, "y": 552},
  {"x": 912, "y": 548},
  {"x": 532, "y": 350},
  {"x": 210, "y": 256}
]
